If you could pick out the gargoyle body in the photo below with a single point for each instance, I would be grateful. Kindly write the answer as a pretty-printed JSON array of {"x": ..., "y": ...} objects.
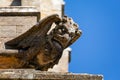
[{"x": 39, "y": 47}]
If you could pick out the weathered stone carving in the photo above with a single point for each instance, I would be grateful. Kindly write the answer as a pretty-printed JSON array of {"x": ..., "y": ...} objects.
[{"x": 40, "y": 47}]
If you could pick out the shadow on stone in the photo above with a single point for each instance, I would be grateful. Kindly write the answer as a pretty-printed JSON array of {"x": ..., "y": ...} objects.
[{"x": 16, "y": 3}]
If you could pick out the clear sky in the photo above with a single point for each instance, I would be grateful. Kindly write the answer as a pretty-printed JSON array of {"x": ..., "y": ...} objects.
[{"x": 98, "y": 49}]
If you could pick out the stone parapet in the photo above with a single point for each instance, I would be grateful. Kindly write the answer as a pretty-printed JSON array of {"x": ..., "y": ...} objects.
[{"x": 23, "y": 74}]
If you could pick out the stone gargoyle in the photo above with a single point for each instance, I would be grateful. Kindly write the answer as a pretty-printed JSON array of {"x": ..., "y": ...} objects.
[{"x": 41, "y": 47}]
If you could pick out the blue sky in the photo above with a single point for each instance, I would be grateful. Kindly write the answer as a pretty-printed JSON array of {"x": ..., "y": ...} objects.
[{"x": 98, "y": 49}]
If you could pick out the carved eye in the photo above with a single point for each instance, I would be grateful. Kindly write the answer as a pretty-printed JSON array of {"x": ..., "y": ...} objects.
[
  {"x": 60, "y": 31},
  {"x": 63, "y": 29}
]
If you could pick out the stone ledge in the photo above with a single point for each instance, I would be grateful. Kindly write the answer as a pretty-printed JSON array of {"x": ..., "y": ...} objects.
[
  {"x": 20, "y": 11},
  {"x": 23, "y": 74}
]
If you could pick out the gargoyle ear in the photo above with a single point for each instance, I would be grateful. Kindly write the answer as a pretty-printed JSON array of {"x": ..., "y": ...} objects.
[
  {"x": 64, "y": 19},
  {"x": 58, "y": 22}
]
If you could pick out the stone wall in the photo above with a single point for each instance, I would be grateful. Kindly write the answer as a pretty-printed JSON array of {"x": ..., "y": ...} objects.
[
  {"x": 14, "y": 21},
  {"x": 46, "y": 7},
  {"x": 15, "y": 27},
  {"x": 51, "y": 7},
  {"x": 35, "y": 3},
  {"x": 62, "y": 66}
]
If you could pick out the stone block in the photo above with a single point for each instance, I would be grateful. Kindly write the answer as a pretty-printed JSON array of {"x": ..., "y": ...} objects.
[
  {"x": 44, "y": 5},
  {"x": 62, "y": 66},
  {"x": 51, "y": 7},
  {"x": 27, "y": 74},
  {"x": 35, "y": 3},
  {"x": 7, "y": 31}
]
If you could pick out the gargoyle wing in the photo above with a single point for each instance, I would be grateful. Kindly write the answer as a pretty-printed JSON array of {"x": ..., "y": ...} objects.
[{"x": 28, "y": 38}]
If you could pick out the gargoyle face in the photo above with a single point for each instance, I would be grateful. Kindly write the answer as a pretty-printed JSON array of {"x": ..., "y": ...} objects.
[
  {"x": 63, "y": 35},
  {"x": 66, "y": 32}
]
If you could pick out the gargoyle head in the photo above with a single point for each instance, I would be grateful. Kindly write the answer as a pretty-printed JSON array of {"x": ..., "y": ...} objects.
[
  {"x": 66, "y": 32},
  {"x": 63, "y": 35}
]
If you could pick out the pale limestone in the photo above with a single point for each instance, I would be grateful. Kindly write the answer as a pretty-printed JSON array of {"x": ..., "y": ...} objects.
[
  {"x": 5, "y": 2},
  {"x": 46, "y": 7},
  {"x": 18, "y": 9},
  {"x": 23, "y": 74},
  {"x": 51, "y": 7},
  {"x": 35, "y": 3},
  {"x": 63, "y": 62},
  {"x": 13, "y": 26}
]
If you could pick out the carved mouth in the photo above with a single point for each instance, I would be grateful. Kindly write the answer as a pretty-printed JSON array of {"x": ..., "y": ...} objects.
[
  {"x": 62, "y": 40},
  {"x": 57, "y": 41}
]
